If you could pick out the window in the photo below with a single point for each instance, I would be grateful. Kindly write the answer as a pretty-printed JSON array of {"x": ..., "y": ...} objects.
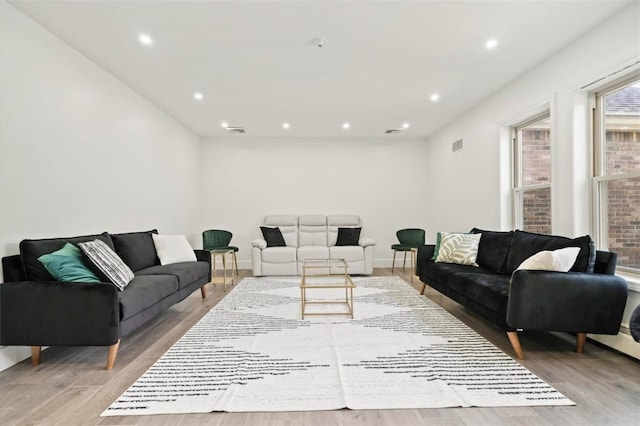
[
  {"x": 532, "y": 174},
  {"x": 616, "y": 181}
]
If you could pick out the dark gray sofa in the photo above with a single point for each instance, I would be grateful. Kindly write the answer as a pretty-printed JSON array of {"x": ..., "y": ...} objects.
[
  {"x": 587, "y": 299},
  {"x": 36, "y": 310}
]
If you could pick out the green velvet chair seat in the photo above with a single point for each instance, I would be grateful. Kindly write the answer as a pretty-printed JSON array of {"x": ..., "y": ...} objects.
[
  {"x": 409, "y": 238},
  {"x": 219, "y": 239},
  {"x": 403, "y": 247}
]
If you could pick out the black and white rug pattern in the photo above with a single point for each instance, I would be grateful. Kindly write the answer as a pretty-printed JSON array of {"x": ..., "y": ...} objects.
[{"x": 253, "y": 352}]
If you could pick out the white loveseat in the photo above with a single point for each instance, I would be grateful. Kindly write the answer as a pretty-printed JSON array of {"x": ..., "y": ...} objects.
[{"x": 310, "y": 237}]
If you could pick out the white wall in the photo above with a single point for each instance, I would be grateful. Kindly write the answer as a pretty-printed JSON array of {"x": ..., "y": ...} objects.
[
  {"x": 469, "y": 182},
  {"x": 382, "y": 180},
  {"x": 80, "y": 152}
]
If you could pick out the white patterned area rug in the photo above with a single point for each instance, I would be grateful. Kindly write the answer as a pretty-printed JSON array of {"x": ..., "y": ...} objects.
[{"x": 253, "y": 352}]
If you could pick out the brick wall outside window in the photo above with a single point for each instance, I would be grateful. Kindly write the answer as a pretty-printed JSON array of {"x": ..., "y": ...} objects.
[{"x": 536, "y": 169}]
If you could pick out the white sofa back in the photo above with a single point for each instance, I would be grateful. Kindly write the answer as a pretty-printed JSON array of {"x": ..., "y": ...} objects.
[{"x": 312, "y": 230}]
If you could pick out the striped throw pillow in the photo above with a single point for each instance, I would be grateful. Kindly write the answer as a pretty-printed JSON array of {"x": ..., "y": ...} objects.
[{"x": 107, "y": 263}]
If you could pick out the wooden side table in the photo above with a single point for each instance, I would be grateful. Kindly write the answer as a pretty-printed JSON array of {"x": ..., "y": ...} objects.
[{"x": 215, "y": 279}]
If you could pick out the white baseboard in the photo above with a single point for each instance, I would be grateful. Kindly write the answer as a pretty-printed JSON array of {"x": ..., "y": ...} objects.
[
  {"x": 622, "y": 342},
  {"x": 11, "y": 355}
]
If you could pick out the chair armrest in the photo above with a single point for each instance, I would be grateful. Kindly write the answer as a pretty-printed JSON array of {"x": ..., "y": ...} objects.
[
  {"x": 566, "y": 301},
  {"x": 36, "y": 313},
  {"x": 366, "y": 242},
  {"x": 260, "y": 243}
]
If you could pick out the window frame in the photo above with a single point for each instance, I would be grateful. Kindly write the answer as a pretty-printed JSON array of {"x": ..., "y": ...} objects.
[
  {"x": 518, "y": 190},
  {"x": 599, "y": 222}
]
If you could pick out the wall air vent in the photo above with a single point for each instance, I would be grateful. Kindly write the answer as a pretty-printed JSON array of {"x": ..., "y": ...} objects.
[
  {"x": 393, "y": 131},
  {"x": 236, "y": 129},
  {"x": 456, "y": 146}
]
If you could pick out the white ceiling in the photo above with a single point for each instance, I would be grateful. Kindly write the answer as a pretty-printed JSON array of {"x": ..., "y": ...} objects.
[{"x": 257, "y": 68}]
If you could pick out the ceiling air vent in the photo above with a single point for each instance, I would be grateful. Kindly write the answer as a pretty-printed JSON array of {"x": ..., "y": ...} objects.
[
  {"x": 456, "y": 146},
  {"x": 393, "y": 131},
  {"x": 236, "y": 129}
]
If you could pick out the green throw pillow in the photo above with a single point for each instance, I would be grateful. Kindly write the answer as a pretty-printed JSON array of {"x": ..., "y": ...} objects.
[
  {"x": 66, "y": 265},
  {"x": 437, "y": 248}
]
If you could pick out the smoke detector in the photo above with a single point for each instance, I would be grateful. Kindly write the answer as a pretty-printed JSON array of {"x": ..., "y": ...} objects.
[{"x": 319, "y": 41}]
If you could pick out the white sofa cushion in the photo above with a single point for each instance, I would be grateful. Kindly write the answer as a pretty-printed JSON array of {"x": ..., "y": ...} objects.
[
  {"x": 279, "y": 255},
  {"x": 313, "y": 252},
  {"x": 312, "y": 230},
  {"x": 288, "y": 225},
  {"x": 348, "y": 253}
]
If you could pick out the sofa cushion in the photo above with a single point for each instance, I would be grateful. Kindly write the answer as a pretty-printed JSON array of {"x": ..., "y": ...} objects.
[
  {"x": 336, "y": 221},
  {"x": 312, "y": 252},
  {"x": 66, "y": 265},
  {"x": 288, "y": 225},
  {"x": 560, "y": 260},
  {"x": 185, "y": 272},
  {"x": 493, "y": 249},
  {"x": 279, "y": 255},
  {"x": 526, "y": 244},
  {"x": 458, "y": 248},
  {"x": 348, "y": 253},
  {"x": 173, "y": 249},
  {"x": 348, "y": 236},
  {"x": 136, "y": 249},
  {"x": 106, "y": 263},
  {"x": 440, "y": 272},
  {"x": 31, "y": 250},
  {"x": 273, "y": 236},
  {"x": 488, "y": 289},
  {"x": 145, "y": 291}
]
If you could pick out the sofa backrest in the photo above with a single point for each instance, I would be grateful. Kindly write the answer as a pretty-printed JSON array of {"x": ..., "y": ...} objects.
[
  {"x": 31, "y": 250},
  {"x": 526, "y": 244},
  {"x": 288, "y": 225},
  {"x": 312, "y": 230},
  {"x": 493, "y": 249},
  {"x": 340, "y": 221}
]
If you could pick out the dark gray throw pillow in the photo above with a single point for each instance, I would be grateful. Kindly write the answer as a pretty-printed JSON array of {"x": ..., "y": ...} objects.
[
  {"x": 136, "y": 249},
  {"x": 273, "y": 237},
  {"x": 348, "y": 236}
]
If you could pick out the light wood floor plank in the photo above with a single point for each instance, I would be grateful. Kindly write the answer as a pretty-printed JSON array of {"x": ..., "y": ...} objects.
[{"x": 71, "y": 387}]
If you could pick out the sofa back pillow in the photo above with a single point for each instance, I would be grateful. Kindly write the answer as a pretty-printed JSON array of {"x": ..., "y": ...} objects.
[
  {"x": 493, "y": 249},
  {"x": 66, "y": 265},
  {"x": 526, "y": 244},
  {"x": 136, "y": 249},
  {"x": 31, "y": 250}
]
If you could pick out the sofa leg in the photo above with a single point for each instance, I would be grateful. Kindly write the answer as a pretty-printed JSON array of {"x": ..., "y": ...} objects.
[
  {"x": 581, "y": 338},
  {"x": 393, "y": 262},
  {"x": 111, "y": 357},
  {"x": 35, "y": 355},
  {"x": 203, "y": 291},
  {"x": 424, "y": 286},
  {"x": 515, "y": 342}
]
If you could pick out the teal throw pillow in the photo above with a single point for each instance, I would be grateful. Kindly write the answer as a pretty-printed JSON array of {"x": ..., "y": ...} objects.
[
  {"x": 437, "y": 248},
  {"x": 66, "y": 265}
]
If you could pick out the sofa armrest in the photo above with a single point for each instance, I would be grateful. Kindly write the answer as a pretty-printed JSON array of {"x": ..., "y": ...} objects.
[
  {"x": 37, "y": 313},
  {"x": 425, "y": 252},
  {"x": 566, "y": 301},
  {"x": 366, "y": 242},
  {"x": 204, "y": 256},
  {"x": 260, "y": 243}
]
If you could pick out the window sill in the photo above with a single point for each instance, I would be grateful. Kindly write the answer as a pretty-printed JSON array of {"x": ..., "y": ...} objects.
[{"x": 633, "y": 281}]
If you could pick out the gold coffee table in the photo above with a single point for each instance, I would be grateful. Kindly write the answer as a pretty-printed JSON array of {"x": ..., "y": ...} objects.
[
  {"x": 223, "y": 253},
  {"x": 327, "y": 274}
]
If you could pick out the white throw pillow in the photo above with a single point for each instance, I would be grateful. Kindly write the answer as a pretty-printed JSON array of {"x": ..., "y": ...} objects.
[
  {"x": 560, "y": 260},
  {"x": 458, "y": 248},
  {"x": 173, "y": 249}
]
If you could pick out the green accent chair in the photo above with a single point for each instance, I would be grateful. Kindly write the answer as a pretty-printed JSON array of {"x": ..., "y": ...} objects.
[
  {"x": 218, "y": 239},
  {"x": 410, "y": 239}
]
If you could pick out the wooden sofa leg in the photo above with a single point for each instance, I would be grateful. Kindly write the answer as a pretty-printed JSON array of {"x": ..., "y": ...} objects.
[
  {"x": 35, "y": 355},
  {"x": 515, "y": 342},
  {"x": 111, "y": 357},
  {"x": 581, "y": 338},
  {"x": 424, "y": 286},
  {"x": 203, "y": 291}
]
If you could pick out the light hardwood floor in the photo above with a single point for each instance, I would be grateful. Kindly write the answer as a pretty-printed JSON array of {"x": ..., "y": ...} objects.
[{"x": 71, "y": 386}]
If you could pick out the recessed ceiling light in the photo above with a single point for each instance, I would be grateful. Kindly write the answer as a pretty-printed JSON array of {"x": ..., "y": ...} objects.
[
  {"x": 346, "y": 126},
  {"x": 224, "y": 124},
  {"x": 405, "y": 125},
  {"x": 491, "y": 44},
  {"x": 434, "y": 97},
  {"x": 199, "y": 96},
  {"x": 145, "y": 39},
  {"x": 285, "y": 125}
]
